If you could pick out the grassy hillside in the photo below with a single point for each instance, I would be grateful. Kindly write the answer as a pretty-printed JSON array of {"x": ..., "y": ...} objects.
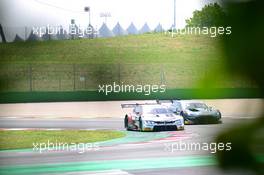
[
  {"x": 148, "y": 48},
  {"x": 180, "y": 62}
]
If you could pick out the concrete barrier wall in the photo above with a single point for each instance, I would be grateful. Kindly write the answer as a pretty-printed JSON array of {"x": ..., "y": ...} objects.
[{"x": 229, "y": 107}]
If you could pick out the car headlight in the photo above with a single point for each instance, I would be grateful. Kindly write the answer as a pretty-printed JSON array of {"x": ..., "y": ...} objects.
[
  {"x": 148, "y": 122},
  {"x": 179, "y": 121},
  {"x": 188, "y": 114}
]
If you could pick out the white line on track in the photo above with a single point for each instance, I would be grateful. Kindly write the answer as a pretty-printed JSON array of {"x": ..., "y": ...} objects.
[
  {"x": 108, "y": 172},
  {"x": 44, "y": 129}
]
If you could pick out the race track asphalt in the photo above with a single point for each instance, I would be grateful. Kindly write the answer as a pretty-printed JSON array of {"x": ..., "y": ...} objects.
[{"x": 139, "y": 153}]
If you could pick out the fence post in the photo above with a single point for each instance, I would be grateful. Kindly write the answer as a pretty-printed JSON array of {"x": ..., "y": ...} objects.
[
  {"x": 162, "y": 75},
  {"x": 74, "y": 77},
  {"x": 7, "y": 82},
  {"x": 119, "y": 73},
  {"x": 59, "y": 81},
  {"x": 30, "y": 77},
  {"x": 85, "y": 81}
]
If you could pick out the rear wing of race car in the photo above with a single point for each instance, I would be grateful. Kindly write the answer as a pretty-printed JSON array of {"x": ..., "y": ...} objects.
[
  {"x": 164, "y": 101},
  {"x": 133, "y": 105},
  {"x": 136, "y": 104},
  {"x": 167, "y": 101}
]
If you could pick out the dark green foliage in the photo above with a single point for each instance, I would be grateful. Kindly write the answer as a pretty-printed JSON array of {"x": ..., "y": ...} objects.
[
  {"x": 211, "y": 15},
  {"x": 244, "y": 50}
]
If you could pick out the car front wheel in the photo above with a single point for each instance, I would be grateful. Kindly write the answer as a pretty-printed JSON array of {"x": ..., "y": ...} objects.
[{"x": 126, "y": 121}]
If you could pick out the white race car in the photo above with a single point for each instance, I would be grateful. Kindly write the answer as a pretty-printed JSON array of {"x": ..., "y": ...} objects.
[{"x": 152, "y": 117}]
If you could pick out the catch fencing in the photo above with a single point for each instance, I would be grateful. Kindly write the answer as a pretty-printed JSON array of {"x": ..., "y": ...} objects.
[{"x": 87, "y": 77}]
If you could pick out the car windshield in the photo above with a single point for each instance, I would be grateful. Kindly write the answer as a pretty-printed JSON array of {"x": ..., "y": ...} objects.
[
  {"x": 196, "y": 105},
  {"x": 158, "y": 111}
]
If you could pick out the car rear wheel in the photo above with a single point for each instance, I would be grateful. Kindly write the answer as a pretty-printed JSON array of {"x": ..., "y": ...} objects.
[
  {"x": 140, "y": 124},
  {"x": 220, "y": 114}
]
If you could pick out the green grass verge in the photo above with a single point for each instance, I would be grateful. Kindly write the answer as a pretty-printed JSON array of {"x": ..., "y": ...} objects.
[{"x": 25, "y": 139}]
